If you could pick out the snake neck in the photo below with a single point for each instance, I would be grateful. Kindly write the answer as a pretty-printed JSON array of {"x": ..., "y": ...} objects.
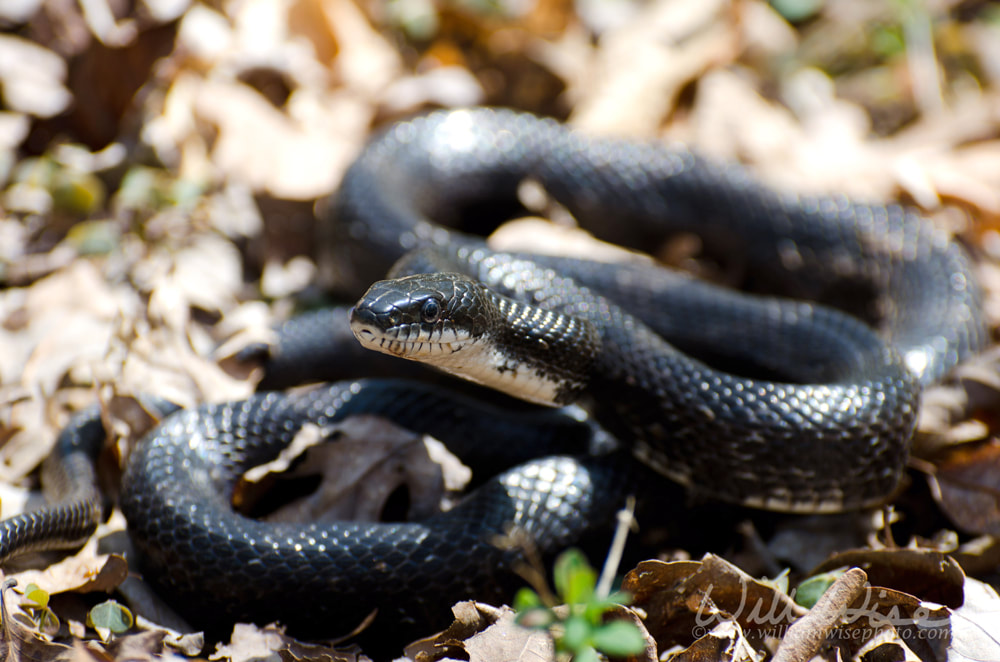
[{"x": 540, "y": 355}]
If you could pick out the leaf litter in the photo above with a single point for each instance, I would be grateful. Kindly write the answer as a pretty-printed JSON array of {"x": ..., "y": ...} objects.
[{"x": 232, "y": 112}]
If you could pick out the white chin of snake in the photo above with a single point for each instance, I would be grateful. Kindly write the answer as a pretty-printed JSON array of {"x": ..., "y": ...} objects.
[{"x": 476, "y": 361}]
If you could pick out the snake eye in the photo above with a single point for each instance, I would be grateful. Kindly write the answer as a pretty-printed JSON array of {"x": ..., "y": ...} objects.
[{"x": 431, "y": 311}]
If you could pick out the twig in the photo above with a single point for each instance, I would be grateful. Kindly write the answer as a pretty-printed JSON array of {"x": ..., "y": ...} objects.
[
  {"x": 806, "y": 635},
  {"x": 626, "y": 519}
]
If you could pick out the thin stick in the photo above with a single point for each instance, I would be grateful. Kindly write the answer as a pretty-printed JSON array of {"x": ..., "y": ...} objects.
[
  {"x": 626, "y": 519},
  {"x": 806, "y": 635}
]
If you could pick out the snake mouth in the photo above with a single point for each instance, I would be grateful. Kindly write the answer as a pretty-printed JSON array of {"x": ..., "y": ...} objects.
[
  {"x": 410, "y": 341},
  {"x": 408, "y": 349}
]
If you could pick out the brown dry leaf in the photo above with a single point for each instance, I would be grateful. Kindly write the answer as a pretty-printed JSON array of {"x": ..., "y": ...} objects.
[
  {"x": 483, "y": 633},
  {"x": 252, "y": 643},
  {"x": 821, "y": 143},
  {"x": 32, "y": 78},
  {"x": 970, "y": 176},
  {"x": 684, "y": 600},
  {"x": 928, "y": 574},
  {"x": 966, "y": 485},
  {"x": 293, "y": 157},
  {"x": 944, "y": 417},
  {"x": 367, "y": 460},
  {"x": 725, "y": 642},
  {"x": 730, "y": 120},
  {"x": 631, "y": 83},
  {"x": 284, "y": 280},
  {"x": 82, "y": 573},
  {"x": 448, "y": 87},
  {"x": 87, "y": 651},
  {"x": 281, "y": 126},
  {"x": 103, "y": 90},
  {"x": 366, "y": 62},
  {"x": 805, "y": 542},
  {"x": 975, "y": 626},
  {"x": 20, "y": 639},
  {"x": 190, "y": 644},
  {"x": 977, "y": 556},
  {"x": 922, "y": 627},
  {"x": 540, "y": 236},
  {"x": 138, "y": 647},
  {"x": 505, "y": 640},
  {"x": 76, "y": 328},
  {"x": 70, "y": 316},
  {"x": 206, "y": 274}
]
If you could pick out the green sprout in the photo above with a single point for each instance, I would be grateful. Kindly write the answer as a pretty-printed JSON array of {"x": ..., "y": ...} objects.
[
  {"x": 36, "y": 602},
  {"x": 579, "y": 630}
]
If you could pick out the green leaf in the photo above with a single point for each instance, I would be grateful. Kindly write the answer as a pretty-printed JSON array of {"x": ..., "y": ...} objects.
[
  {"x": 37, "y": 596},
  {"x": 577, "y": 634},
  {"x": 575, "y": 579},
  {"x": 795, "y": 11},
  {"x": 618, "y": 639},
  {"x": 588, "y": 654},
  {"x": 112, "y": 616},
  {"x": 94, "y": 237},
  {"x": 619, "y": 598},
  {"x": 810, "y": 591},
  {"x": 525, "y": 598},
  {"x": 48, "y": 622},
  {"x": 77, "y": 192}
]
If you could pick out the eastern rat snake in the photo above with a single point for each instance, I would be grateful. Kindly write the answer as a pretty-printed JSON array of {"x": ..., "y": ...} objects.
[{"x": 832, "y": 434}]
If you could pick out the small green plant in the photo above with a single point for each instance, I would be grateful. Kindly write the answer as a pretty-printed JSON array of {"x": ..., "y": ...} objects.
[
  {"x": 578, "y": 630},
  {"x": 36, "y": 602},
  {"x": 110, "y": 618}
]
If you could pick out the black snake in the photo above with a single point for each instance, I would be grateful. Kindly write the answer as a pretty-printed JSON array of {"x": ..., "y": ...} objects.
[{"x": 830, "y": 432}]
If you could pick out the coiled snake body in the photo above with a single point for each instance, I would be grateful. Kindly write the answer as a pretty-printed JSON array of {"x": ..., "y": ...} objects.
[{"x": 831, "y": 433}]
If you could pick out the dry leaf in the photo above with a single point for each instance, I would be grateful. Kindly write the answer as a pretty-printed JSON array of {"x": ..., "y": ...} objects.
[
  {"x": 723, "y": 643},
  {"x": 966, "y": 484},
  {"x": 925, "y": 573},
  {"x": 32, "y": 78},
  {"x": 252, "y": 643},
  {"x": 483, "y": 633},
  {"x": 640, "y": 68},
  {"x": 976, "y": 624},
  {"x": 19, "y": 638},
  {"x": 82, "y": 573},
  {"x": 365, "y": 461},
  {"x": 684, "y": 600}
]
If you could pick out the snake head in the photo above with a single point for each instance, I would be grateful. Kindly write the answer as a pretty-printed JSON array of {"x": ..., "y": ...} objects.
[
  {"x": 456, "y": 324},
  {"x": 422, "y": 317}
]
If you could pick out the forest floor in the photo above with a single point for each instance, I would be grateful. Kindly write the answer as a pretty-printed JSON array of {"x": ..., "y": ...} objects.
[{"x": 159, "y": 166}]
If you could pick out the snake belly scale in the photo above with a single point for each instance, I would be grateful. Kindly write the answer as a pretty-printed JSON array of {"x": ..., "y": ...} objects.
[{"x": 832, "y": 433}]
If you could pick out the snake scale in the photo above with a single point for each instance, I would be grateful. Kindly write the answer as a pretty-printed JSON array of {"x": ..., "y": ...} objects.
[{"x": 819, "y": 420}]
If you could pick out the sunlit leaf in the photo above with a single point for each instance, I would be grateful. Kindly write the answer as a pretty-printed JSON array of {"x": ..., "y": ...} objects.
[
  {"x": 112, "y": 616},
  {"x": 618, "y": 638}
]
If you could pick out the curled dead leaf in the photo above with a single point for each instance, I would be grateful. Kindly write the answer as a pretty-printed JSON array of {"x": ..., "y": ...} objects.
[
  {"x": 19, "y": 637},
  {"x": 685, "y": 600},
  {"x": 966, "y": 485},
  {"x": 251, "y": 642},
  {"x": 82, "y": 573},
  {"x": 928, "y": 574},
  {"x": 367, "y": 461}
]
